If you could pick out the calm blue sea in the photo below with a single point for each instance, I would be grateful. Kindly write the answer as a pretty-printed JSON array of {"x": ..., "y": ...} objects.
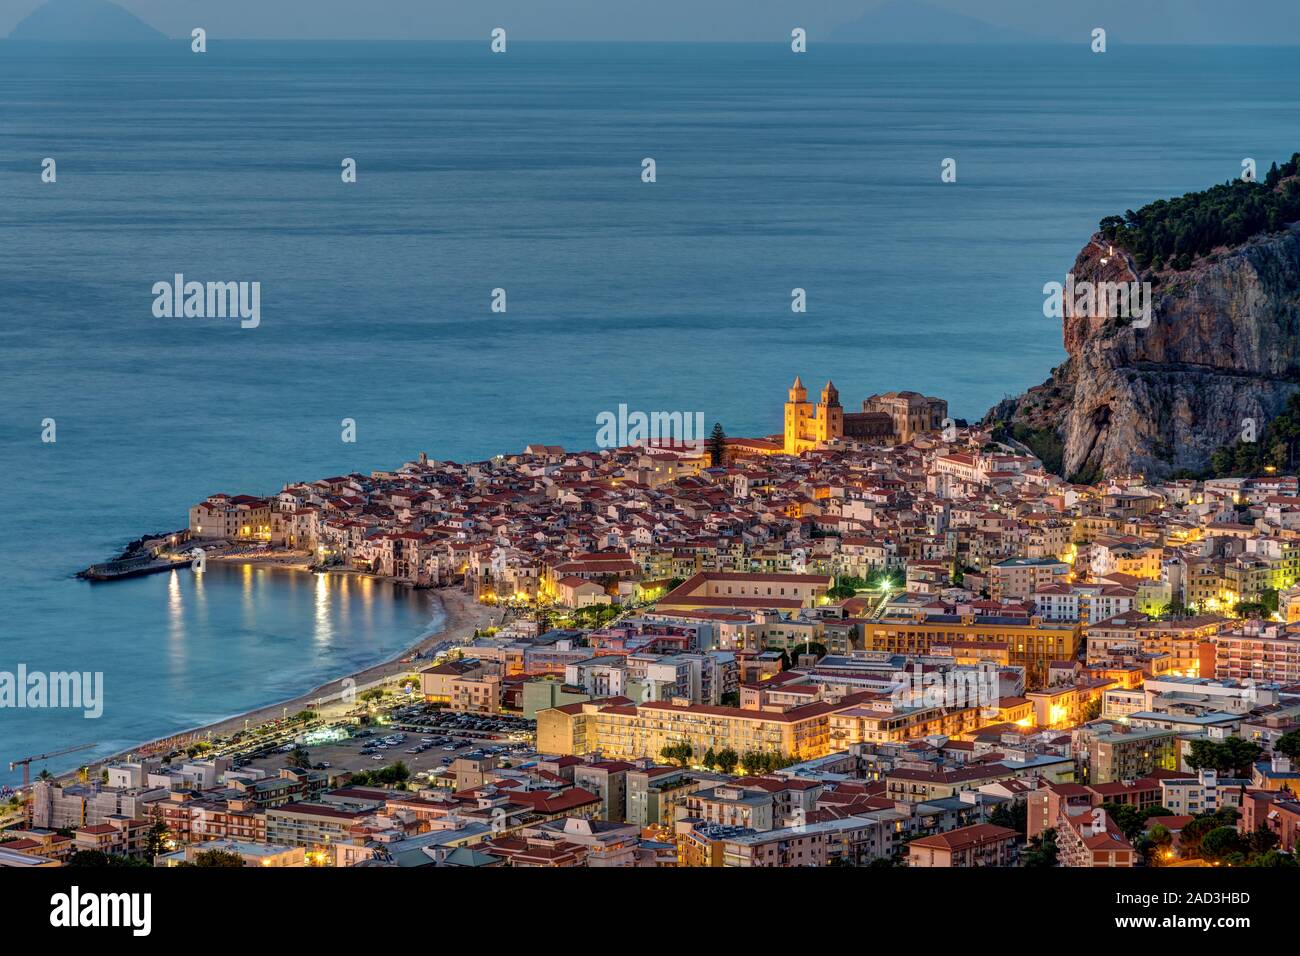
[{"x": 522, "y": 172}]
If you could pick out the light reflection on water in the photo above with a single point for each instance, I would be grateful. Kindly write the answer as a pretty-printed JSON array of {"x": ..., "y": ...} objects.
[
  {"x": 229, "y": 639},
  {"x": 324, "y": 630}
]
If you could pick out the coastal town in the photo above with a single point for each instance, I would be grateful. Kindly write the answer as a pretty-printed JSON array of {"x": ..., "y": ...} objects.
[{"x": 879, "y": 638}]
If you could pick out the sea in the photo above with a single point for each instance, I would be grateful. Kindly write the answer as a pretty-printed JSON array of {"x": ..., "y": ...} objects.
[{"x": 521, "y": 172}]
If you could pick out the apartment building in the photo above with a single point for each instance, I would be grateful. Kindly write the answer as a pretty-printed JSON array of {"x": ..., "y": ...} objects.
[
  {"x": 546, "y": 692},
  {"x": 1204, "y": 584},
  {"x": 118, "y": 835},
  {"x": 856, "y": 839},
  {"x": 1059, "y": 706},
  {"x": 913, "y": 785},
  {"x": 1135, "y": 636},
  {"x": 1120, "y": 754},
  {"x": 1131, "y": 556},
  {"x": 1259, "y": 651},
  {"x": 980, "y": 844},
  {"x": 1206, "y": 792},
  {"x": 57, "y": 806},
  {"x": 480, "y": 694},
  {"x": 627, "y": 731},
  {"x": 607, "y": 779},
  {"x": 701, "y": 844},
  {"x": 1090, "y": 838},
  {"x": 655, "y": 793},
  {"x": 1016, "y": 579},
  {"x": 881, "y": 721},
  {"x": 312, "y": 825},
  {"x": 224, "y": 815},
  {"x": 55, "y": 847},
  {"x": 438, "y": 683},
  {"x": 1031, "y": 643},
  {"x": 805, "y": 846},
  {"x": 1267, "y": 563},
  {"x": 722, "y": 590},
  {"x": 1047, "y": 803},
  {"x": 731, "y": 805},
  {"x": 1274, "y": 810},
  {"x": 233, "y": 518}
]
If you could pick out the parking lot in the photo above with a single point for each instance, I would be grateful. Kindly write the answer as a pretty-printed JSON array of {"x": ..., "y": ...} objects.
[
  {"x": 422, "y": 737},
  {"x": 424, "y": 718}
]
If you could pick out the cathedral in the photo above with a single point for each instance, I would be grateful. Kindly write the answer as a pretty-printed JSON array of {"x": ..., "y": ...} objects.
[{"x": 890, "y": 418}]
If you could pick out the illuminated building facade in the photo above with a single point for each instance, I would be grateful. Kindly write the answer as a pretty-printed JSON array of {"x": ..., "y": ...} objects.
[
  {"x": 1030, "y": 643},
  {"x": 627, "y": 731}
]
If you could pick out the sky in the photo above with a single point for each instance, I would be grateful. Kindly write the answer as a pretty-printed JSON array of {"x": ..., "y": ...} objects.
[{"x": 1134, "y": 21}]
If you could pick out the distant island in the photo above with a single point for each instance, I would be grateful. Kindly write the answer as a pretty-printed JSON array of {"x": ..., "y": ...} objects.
[{"x": 84, "y": 21}]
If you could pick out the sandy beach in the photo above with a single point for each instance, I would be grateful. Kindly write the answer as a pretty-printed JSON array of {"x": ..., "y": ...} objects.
[
  {"x": 293, "y": 560},
  {"x": 464, "y": 615}
]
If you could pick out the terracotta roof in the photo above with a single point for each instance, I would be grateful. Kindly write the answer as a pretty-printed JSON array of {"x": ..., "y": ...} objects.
[{"x": 966, "y": 837}]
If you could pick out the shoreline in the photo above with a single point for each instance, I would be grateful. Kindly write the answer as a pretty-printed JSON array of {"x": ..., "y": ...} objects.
[{"x": 462, "y": 617}]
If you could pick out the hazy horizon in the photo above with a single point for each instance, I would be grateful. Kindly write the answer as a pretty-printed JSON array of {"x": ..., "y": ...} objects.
[{"x": 1163, "y": 22}]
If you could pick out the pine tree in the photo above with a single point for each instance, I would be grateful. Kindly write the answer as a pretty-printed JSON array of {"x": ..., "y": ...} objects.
[
  {"x": 155, "y": 840},
  {"x": 717, "y": 446}
]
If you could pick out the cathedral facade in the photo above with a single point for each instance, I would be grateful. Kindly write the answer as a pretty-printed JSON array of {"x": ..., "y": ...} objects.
[
  {"x": 806, "y": 425},
  {"x": 889, "y": 418}
]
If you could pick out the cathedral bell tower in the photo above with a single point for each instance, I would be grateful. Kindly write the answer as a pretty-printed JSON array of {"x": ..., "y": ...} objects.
[
  {"x": 798, "y": 413},
  {"x": 830, "y": 414}
]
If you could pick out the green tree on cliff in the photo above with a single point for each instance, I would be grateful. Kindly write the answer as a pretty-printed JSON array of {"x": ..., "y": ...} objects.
[
  {"x": 1176, "y": 231},
  {"x": 1276, "y": 447}
]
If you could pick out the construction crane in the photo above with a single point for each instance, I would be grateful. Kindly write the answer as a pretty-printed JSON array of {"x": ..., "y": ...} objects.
[{"x": 26, "y": 762}]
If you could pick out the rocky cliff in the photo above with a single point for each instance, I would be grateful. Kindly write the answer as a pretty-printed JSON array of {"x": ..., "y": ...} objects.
[{"x": 1222, "y": 346}]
